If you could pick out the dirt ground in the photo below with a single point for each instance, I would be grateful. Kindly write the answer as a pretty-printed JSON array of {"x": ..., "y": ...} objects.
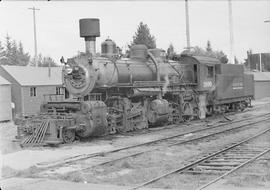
[
  {"x": 24, "y": 162},
  {"x": 148, "y": 166}
]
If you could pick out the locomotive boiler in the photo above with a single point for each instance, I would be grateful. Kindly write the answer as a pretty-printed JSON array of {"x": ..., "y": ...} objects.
[{"x": 114, "y": 94}]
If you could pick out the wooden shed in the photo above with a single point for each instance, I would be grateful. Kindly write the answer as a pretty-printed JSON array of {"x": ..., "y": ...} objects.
[
  {"x": 261, "y": 84},
  {"x": 30, "y": 84},
  {"x": 5, "y": 100}
]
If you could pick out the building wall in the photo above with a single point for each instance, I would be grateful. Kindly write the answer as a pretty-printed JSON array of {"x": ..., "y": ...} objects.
[
  {"x": 5, "y": 102},
  {"x": 31, "y": 104},
  {"x": 16, "y": 96},
  {"x": 262, "y": 89},
  {"x": 254, "y": 61}
]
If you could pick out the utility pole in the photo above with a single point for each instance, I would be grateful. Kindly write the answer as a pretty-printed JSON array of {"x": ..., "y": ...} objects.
[
  {"x": 35, "y": 33},
  {"x": 231, "y": 33},
  {"x": 187, "y": 25}
]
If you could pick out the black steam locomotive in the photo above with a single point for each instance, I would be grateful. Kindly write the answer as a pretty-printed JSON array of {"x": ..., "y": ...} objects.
[{"x": 124, "y": 94}]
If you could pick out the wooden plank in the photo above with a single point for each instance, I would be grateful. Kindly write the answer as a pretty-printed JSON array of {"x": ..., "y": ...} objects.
[
  {"x": 44, "y": 132},
  {"x": 194, "y": 172},
  {"x": 219, "y": 164},
  {"x": 214, "y": 168},
  {"x": 36, "y": 136}
]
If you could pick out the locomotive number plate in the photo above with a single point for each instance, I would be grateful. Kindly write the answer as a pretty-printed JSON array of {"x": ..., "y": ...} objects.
[{"x": 207, "y": 84}]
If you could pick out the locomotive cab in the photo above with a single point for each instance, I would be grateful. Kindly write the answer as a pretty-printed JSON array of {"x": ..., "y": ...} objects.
[{"x": 204, "y": 71}]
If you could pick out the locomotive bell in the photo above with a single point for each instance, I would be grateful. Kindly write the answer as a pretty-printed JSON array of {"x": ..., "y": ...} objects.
[{"x": 89, "y": 30}]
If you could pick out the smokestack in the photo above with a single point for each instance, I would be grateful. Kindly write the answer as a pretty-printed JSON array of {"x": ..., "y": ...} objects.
[{"x": 89, "y": 30}]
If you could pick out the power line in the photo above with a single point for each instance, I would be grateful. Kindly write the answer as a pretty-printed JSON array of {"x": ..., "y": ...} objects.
[
  {"x": 35, "y": 33},
  {"x": 187, "y": 25},
  {"x": 231, "y": 33}
]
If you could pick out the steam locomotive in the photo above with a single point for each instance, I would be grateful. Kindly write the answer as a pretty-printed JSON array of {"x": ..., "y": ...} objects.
[{"x": 116, "y": 94}]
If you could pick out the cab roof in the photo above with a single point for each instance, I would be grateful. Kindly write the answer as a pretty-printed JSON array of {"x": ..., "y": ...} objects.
[{"x": 203, "y": 59}]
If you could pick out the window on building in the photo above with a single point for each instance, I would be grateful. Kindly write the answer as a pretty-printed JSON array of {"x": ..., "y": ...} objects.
[
  {"x": 58, "y": 90},
  {"x": 33, "y": 91},
  {"x": 210, "y": 71}
]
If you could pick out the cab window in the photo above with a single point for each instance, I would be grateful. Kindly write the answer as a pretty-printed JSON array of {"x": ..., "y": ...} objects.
[{"x": 210, "y": 71}]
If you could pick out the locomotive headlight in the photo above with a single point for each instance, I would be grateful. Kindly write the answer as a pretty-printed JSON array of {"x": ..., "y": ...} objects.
[{"x": 68, "y": 70}]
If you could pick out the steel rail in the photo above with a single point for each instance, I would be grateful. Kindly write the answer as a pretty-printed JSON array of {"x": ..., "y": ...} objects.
[
  {"x": 136, "y": 154},
  {"x": 174, "y": 144},
  {"x": 233, "y": 170},
  {"x": 92, "y": 155},
  {"x": 212, "y": 117},
  {"x": 183, "y": 168}
]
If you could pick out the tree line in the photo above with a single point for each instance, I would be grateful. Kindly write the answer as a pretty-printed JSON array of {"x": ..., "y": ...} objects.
[
  {"x": 143, "y": 36},
  {"x": 13, "y": 53}
]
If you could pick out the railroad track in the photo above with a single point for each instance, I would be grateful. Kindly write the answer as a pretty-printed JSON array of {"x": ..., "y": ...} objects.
[
  {"x": 220, "y": 163},
  {"x": 246, "y": 122},
  {"x": 181, "y": 141}
]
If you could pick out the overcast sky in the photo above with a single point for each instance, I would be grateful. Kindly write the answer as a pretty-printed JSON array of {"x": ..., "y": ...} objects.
[{"x": 58, "y": 24}]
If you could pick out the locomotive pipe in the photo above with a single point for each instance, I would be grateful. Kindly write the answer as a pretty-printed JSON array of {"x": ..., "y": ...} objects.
[
  {"x": 157, "y": 69},
  {"x": 156, "y": 64}
]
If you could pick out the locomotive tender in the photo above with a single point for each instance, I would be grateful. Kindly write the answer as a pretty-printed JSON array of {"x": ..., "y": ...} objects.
[{"x": 124, "y": 94}]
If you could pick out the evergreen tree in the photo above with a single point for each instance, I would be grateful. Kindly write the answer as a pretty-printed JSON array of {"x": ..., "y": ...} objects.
[
  {"x": 23, "y": 57},
  {"x": 8, "y": 52},
  {"x": 48, "y": 62},
  {"x": 14, "y": 53},
  {"x": 44, "y": 61},
  {"x": 2, "y": 52},
  {"x": 208, "y": 47},
  {"x": 143, "y": 36}
]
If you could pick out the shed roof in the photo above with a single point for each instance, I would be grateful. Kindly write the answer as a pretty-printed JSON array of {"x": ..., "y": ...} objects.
[
  {"x": 35, "y": 76},
  {"x": 207, "y": 60},
  {"x": 3, "y": 81},
  {"x": 261, "y": 76}
]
